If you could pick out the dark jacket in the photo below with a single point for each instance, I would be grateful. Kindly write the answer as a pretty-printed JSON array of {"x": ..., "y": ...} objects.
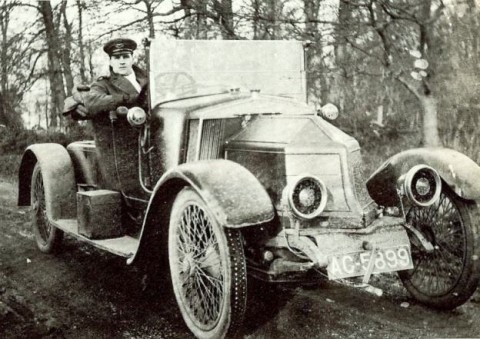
[
  {"x": 107, "y": 93},
  {"x": 116, "y": 141}
]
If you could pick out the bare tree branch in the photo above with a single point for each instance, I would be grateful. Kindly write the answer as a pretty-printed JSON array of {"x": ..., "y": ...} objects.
[{"x": 133, "y": 22}]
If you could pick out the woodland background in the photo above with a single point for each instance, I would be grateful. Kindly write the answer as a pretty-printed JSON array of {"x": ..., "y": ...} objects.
[{"x": 402, "y": 72}]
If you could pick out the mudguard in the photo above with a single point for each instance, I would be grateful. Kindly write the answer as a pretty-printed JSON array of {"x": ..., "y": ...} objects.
[
  {"x": 84, "y": 171},
  {"x": 58, "y": 179},
  {"x": 457, "y": 170},
  {"x": 234, "y": 195}
]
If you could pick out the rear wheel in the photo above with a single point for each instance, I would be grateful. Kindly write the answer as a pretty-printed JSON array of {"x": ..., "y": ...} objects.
[
  {"x": 47, "y": 236},
  {"x": 447, "y": 276},
  {"x": 207, "y": 266}
]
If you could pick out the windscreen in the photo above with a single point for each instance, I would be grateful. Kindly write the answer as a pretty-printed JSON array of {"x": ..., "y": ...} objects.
[{"x": 188, "y": 68}]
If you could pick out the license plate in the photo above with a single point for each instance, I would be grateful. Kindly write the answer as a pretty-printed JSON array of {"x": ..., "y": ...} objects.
[{"x": 356, "y": 263}]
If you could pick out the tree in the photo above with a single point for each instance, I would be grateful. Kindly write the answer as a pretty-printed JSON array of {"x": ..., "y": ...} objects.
[
  {"x": 361, "y": 59},
  {"x": 195, "y": 24},
  {"x": 147, "y": 14},
  {"x": 66, "y": 48},
  {"x": 55, "y": 71},
  {"x": 144, "y": 11},
  {"x": 379, "y": 40},
  {"x": 422, "y": 88},
  {"x": 198, "y": 14},
  {"x": 19, "y": 56},
  {"x": 8, "y": 116},
  {"x": 81, "y": 45},
  {"x": 317, "y": 77},
  {"x": 266, "y": 18},
  {"x": 456, "y": 56}
]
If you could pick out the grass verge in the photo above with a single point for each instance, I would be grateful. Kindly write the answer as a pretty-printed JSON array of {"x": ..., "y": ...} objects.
[{"x": 9, "y": 165}]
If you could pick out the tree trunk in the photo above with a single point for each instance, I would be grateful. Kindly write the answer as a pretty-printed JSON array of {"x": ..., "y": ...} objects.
[
  {"x": 255, "y": 18},
  {"x": 265, "y": 16},
  {"x": 4, "y": 21},
  {"x": 430, "y": 135},
  {"x": 316, "y": 77},
  {"x": 225, "y": 15},
  {"x": 54, "y": 63},
  {"x": 272, "y": 15},
  {"x": 429, "y": 116},
  {"x": 201, "y": 23},
  {"x": 196, "y": 21},
  {"x": 47, "y": 123},
  {"x": 151, "y": 25},
  {"x": 474, "y": 36},
  {"x": 66, "y": 59},
  {"x": 341, "y": 79},
  {"x": 81, "y": 46},
  {"x": 342, "y": 30},
  {"x": 9, "y": 96},
  {"x": 90, "y": 60}
]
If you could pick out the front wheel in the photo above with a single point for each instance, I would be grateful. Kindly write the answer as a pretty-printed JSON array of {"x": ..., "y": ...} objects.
[
  {"x": 208, "y": 270},
  {"x": 447, "y": 276},
  {"x": 47, "y": 236}
]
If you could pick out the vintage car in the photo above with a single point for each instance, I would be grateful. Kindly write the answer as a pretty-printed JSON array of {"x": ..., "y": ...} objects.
[{"x": 231, "y": 173}]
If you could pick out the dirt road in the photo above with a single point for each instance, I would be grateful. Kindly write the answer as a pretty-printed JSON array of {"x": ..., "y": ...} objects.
[{"x": 83, "y": 293}]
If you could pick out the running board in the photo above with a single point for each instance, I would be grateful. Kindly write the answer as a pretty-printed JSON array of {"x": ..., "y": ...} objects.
[{"x": 124, "y": 246}]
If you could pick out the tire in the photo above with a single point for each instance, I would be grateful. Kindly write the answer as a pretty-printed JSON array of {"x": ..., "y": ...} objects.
[
  {"x": 47, "y": 237},
  {"x": 206, "y": 258},
  {"x": 447, "y": 277}
]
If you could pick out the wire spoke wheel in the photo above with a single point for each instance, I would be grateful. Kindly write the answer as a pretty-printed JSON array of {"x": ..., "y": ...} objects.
[
  {"x": 47, "y": 236},
  {"x": 201, "y": 271},
  {"x": 207, "y": 267},
  {"x": 447, "y": 276}
]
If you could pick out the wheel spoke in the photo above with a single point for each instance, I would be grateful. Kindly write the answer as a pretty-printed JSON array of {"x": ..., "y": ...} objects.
[
  {"x": 213, "y": 280},
  {"x": 212, "y": 295},
  {"x": 207, "y": 267},
  {"x": 451, "y": 263},
  {"x": 208, "y": 243},
  {"x": 436, "y": 273},
  {"x": 40, "y": 210},
  {"x": 202, "y": 308},
  {"x": 199, "y": 265}
]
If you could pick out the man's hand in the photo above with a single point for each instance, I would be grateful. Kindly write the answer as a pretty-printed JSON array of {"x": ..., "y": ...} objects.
[
  {"x": 74, "y": 105},
  {"x": 80, "y": 112}
]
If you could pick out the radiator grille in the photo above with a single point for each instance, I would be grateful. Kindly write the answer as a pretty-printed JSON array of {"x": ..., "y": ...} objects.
[{"x": 212, "y": 139}]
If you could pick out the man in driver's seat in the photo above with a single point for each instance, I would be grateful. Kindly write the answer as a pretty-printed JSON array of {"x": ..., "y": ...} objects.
[
  {"x": 115, "y": 140},
  {"x": 126, "y": 85}
]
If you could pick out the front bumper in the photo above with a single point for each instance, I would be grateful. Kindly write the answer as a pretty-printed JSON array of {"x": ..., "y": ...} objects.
[{"x": 317, "y": 246}]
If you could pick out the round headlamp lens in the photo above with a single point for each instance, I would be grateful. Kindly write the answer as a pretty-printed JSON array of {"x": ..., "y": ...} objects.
[
  {"x": 422, "y": 186},
  {"x": 136, "y": 116},
  {"x": 308, "y": 197}
]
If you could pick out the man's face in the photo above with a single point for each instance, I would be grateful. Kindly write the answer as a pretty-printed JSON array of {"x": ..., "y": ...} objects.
[{"x": 122, "y": 63}]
